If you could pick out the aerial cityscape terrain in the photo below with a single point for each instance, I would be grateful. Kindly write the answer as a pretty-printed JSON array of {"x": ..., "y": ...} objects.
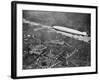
[{"x": 56, "y": 39}]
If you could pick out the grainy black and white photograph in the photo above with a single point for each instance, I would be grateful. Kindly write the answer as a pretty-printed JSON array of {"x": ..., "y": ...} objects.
[{"x": 56, "y": 39}]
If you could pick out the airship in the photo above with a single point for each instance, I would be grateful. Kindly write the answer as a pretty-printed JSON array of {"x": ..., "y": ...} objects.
[{"x": 69, "y": 30}]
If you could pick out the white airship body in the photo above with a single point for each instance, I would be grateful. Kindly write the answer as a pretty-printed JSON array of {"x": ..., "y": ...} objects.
[{"x": 65, "y": 29}]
